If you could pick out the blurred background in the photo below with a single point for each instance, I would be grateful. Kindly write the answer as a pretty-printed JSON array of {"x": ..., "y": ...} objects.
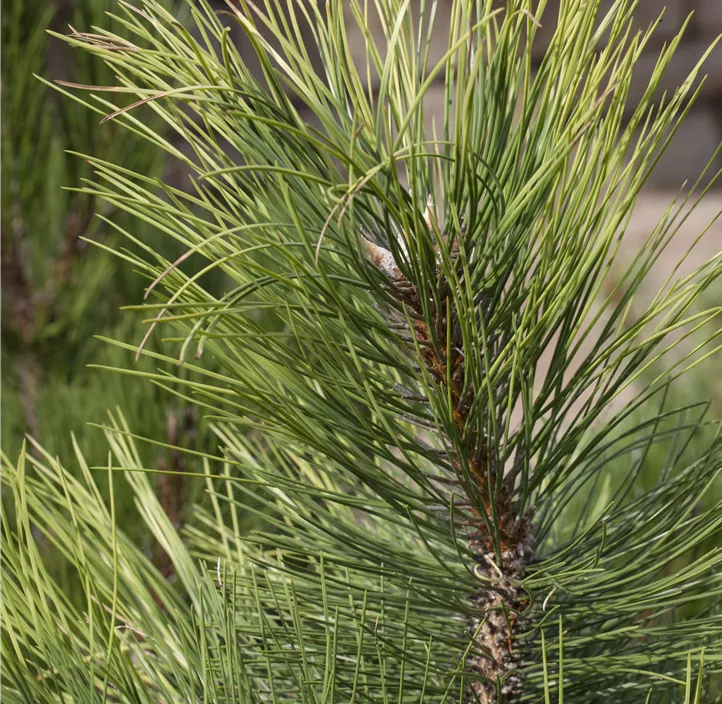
[{"x": 59, "y": 293}]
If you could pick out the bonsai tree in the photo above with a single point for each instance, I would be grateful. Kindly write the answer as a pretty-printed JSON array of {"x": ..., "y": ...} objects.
[{"x": 437, "y": 444}]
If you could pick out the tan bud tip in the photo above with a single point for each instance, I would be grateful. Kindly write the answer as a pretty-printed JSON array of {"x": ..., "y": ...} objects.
[{"x": 381, "y": 258}]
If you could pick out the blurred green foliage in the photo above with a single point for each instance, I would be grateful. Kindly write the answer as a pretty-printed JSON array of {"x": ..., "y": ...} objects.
[
  {"x": 44, "y": 225},
  {"x": 59, "y": 290}
]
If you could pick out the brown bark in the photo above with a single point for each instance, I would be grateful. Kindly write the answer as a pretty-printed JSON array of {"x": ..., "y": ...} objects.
[{"x": 499, "y": 570}]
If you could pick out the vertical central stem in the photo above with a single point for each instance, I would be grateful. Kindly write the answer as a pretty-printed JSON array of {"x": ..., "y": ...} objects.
[{"x": 499, "y": 599}]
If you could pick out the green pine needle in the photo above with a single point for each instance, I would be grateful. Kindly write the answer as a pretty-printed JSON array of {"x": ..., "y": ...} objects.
[{"x": 436, "y": 432}]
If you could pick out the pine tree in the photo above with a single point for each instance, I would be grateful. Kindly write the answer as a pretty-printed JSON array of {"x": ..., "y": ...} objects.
[{"x": 438, "y": 436}]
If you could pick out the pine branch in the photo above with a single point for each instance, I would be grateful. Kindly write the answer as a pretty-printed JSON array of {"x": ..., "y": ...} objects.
[{"x": 439, "y": 513}]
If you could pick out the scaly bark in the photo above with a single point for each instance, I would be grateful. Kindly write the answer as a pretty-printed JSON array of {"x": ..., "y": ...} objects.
[{"x": 499, "y": 596}]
